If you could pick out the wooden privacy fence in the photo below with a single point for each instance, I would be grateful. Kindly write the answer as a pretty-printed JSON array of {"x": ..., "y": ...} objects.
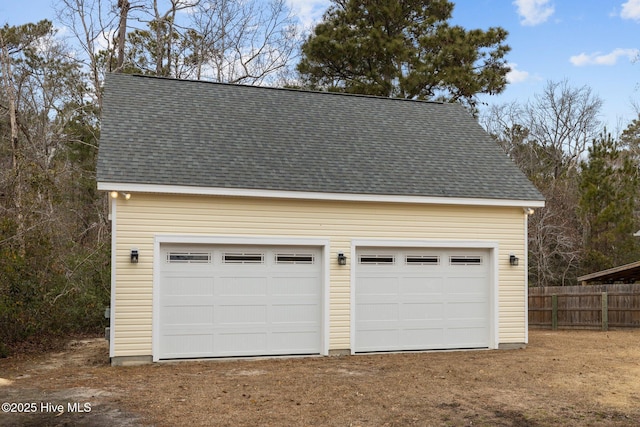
[{"x": 586, "y": 307}]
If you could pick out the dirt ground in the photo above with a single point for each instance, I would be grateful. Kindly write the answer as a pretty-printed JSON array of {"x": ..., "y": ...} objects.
[{"x": 563, "y": 378}]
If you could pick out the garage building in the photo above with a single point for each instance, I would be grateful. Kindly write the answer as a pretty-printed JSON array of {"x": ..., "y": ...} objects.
[{"x": 253, "y": 221}]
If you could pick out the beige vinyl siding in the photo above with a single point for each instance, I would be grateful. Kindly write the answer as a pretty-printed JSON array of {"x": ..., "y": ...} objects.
[{"x": 144, "y": 216}]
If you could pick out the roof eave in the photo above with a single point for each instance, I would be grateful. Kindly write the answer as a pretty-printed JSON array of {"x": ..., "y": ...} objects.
[{"x": 284, "y": 194}]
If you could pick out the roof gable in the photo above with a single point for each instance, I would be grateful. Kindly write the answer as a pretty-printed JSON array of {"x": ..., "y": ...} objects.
[{"x": 193, "y": 133}]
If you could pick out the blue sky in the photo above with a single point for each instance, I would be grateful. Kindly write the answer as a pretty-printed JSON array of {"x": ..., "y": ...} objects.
[{"x": 586, "y": 42}]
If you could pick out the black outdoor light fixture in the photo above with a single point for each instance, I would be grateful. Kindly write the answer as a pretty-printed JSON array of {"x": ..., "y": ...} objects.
[
  {"x": 513, "y": 260},
  {"x": 134, "y": 256},
  {"x": 342, "y": 260}
]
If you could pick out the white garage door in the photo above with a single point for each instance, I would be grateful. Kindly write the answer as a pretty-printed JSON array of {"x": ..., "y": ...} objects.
[
  {"x": 421, "y": 299},
  {"x": 239, "y": 301}
]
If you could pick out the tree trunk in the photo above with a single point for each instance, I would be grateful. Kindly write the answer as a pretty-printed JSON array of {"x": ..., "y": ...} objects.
[
  {"x": 15, "y": 155},
  {"x": 124, "y": 6}
]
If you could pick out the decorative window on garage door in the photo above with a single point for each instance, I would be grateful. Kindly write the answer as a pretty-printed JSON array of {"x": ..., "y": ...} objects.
[
  {"x": 422, "y": 260},
  {"x": 189, "y": 257},
  {"x": 377, "y": 259},
  {"x": 243, "y": 258},
  {"x": 465, "y": 260},
  {"x": 294, "y": 258}
]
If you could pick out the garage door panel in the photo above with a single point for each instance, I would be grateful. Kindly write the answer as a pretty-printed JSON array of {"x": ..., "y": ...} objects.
[
  {"x": 187, "y": 285},
  {"x": 469, "y": 311},
  {"x": 306, "y": 342},
  {"x": 426, "y": 299},
  {"x": 241, "y": 343},
  {"x": 177, "y": 315},
  {"x": 297, "y": 285},
  {"x": 378, "y": 340},
  {"x": 422, "y": 311},
  {"x": 232, "y": 315},
  {"x": 467, "y": 336},
  {"x": 378, "y": 285},
  {"x": 187, "y": 310},
  {"x": 228, "y": 304},
  {"x": 466, "y": 286},
  {"x": 412, "y": 338},
  {"x": 377, "y": 312},
  {"x": 197, "y": 344},
  {"x": 241, "y": 286},
  {"x": 422, "y": 285},
  {"x": 471, "y": 323},
  {"x": 295, "y": 314},
  {"x": 281, "y": 341}
]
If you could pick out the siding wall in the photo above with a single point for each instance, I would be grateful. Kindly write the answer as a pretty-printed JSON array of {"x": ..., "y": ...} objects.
[{"x": 144, "y": 216}]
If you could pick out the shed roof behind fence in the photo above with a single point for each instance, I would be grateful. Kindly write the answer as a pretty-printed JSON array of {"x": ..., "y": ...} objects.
[{"x": 627, "y": 273}]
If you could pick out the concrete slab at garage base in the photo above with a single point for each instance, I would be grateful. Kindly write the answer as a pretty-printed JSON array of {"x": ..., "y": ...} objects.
[
  {"x": 143, "y": 360},
  {"x": 131, "y": 360},
  {"x": 512, "y": 346}
]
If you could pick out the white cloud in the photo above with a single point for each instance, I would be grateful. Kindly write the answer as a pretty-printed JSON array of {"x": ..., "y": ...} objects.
[
  {"x": 534, "y": 12},
  {"x": 631, "y": 10},
  {"x": 105, "y": 40},
  {"x": 309, "y": 12},
  {"x": 604, "y": 59},
  {"x": 515, "y": 75}
]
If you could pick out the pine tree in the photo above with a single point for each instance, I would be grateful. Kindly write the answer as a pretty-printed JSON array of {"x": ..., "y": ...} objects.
[
  {"x": 403, "y": 48},
  {"x": 608, "y": 198}
]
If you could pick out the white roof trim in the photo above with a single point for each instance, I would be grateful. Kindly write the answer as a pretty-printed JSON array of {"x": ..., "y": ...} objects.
[{"x": 242, "y": 192}]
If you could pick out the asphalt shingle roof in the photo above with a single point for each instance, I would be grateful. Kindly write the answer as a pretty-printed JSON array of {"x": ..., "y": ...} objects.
[{"x": 194, "y": 133}]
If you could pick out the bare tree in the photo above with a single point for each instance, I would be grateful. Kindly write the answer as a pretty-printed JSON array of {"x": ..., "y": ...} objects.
[
  {"x": 564, "y": 120},
  {"x": 555, "y": 237},
  {"x": 243, "y": 41},
  {"x": 9, "y": 88},
  {"x": 505, "y": 122},
  {"x": 235, "y": 41},
  {"x": 92, "y": 22},
  {"x": 547, "y": 138}
]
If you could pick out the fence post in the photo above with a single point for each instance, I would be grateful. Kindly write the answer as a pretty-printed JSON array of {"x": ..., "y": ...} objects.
[
  {"x": 605, "y": 312},
  {"x": 554, "y": 312}
]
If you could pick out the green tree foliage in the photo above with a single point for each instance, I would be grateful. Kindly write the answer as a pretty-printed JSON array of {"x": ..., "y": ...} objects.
[
  {"x": 143, "y": 53},
  {"x": 54, "y": 276},
  {"x": 630, "y": 140},
  {"x": 403, "y": 48},
  {"x": 608, "y": 199}
]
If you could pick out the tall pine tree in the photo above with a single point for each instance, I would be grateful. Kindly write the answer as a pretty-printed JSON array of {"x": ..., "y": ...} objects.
[
  {"x": 608, "y": 199},
  {"x": 405, "y": 49}
]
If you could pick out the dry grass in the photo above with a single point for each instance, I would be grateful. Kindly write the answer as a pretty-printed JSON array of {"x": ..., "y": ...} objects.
[{"x": 566, "y": 377}]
